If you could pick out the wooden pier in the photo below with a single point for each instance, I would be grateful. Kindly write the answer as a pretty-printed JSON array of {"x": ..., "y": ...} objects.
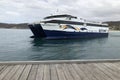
[{"x": 61, "y": 70}]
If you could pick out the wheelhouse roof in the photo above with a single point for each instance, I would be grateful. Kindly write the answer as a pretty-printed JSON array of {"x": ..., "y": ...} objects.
[{"x": 59, "y": 16}]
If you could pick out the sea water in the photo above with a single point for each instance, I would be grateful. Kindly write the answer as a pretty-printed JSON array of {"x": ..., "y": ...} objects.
[{"x": 16, "y": 45}]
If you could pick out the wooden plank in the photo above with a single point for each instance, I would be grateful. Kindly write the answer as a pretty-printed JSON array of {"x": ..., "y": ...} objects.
[
  {"x": 32, "y": 74},
  {"x": 67, "y": 73},
  {"x": 117, "y": 65},
  {"x": 2, "y": 67},
  {"x": 81, "y": 73},
  {"x": 111, "y": 70},
  {"x": 5, "y": 72},
  {"x": 84, "y": 72},
  {"x": 18, "y": 73},
  {"x": 40, "y": 71},
  {"x": 73, "y": 72},
  {"x": 46, "y": 72},
  {"x": 60, "y": 72},
  {"x": 97, "y": 72},
  {"x": 112, "y": 67},
  {"x": 25, "y": 73},
  {"x": 11, "y": 72},
  {"x": 53, "y": 73},
  {"x": 106, "y": 71}
]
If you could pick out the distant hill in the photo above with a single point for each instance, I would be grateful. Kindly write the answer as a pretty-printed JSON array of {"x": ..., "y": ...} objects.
[
  {"x": 14, "y": 26},
  {"x": 113, "y": 25}
]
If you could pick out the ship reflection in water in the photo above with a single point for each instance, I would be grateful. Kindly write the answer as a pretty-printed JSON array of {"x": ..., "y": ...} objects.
[{"x": 66, "y": 49}]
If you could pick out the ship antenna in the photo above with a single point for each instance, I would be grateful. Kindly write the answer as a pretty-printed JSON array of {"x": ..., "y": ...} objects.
[{"x": 57, "y": 10}]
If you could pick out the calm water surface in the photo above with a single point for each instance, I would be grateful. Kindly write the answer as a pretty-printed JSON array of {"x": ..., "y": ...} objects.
[{"x": 15, "y": 44}]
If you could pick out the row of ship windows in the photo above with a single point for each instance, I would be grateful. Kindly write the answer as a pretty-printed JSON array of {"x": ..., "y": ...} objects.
[{"x": 74, "y": 23}]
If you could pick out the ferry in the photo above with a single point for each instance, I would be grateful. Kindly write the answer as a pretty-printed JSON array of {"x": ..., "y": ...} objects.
[{"x": 67, "y": 26}]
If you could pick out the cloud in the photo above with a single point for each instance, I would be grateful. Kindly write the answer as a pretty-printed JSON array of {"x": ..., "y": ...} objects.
[{"x": 17, "y": 11}]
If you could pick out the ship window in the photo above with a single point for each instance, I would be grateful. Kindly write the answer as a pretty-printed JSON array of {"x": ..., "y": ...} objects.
[
  {"x": 83, "y": 28},
  {"x": 74, "y": 23},
  {"x": 101, "y": 30}
]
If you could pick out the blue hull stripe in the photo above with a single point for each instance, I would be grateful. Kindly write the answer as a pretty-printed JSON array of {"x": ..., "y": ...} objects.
[{"x": 52, "y": 34}]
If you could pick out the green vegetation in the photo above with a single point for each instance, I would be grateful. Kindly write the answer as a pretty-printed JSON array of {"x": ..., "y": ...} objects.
[
  {"x": 114, "y": 25},
  {"x": 14, "y": 26}
]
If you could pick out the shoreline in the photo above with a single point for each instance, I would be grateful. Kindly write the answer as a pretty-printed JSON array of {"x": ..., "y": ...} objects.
[
  {"x": 28, "y": 28},
  {"x": 114, "y": 30},
  {"x": 14, "y": 28}
]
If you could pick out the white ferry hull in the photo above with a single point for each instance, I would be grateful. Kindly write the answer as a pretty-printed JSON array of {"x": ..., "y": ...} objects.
[{"x": 40, "y": 32}]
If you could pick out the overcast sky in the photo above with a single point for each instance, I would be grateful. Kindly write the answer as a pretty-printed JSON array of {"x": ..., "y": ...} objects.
[{"x": 20, "y": 11}]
